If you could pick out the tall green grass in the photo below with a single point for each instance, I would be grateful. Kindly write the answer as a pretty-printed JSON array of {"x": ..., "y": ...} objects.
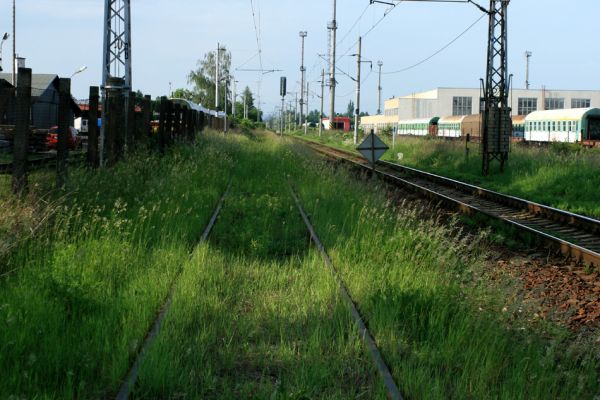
[
  {"x": 442, "y": 331},
  {"x": 80, "y": 294},
  {"x": 255, "y": 314},
  {"x": 560, "y": 175}
]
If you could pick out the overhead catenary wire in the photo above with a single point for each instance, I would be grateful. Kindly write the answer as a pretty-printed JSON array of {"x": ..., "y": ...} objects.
[{"x": 438, "y": 51}]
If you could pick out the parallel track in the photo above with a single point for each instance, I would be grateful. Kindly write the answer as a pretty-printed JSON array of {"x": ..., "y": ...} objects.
[{"x": 576, "y": 235}]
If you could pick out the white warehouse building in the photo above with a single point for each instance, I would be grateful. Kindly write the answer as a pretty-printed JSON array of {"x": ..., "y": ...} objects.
[{"x": 443, "y": 102}]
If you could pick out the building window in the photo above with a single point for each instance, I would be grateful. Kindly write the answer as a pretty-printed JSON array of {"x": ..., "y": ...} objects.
[
  {"x": 527, "y": 105},
  {"x": 555, "y": 104},
  {"x": 462, "y": 106},
  {"x": 581, "y": 103}
]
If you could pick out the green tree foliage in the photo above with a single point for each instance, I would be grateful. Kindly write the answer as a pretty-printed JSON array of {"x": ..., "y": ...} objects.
[
  {"x": 249, "y": 101},
  {"x": 203, "y": 79},
  {"x": 183, "y": 94},
  {"x": 350, "y": 109}
]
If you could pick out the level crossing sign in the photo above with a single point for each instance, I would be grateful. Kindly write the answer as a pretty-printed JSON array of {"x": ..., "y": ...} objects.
[{"x": 372, "y": 148}]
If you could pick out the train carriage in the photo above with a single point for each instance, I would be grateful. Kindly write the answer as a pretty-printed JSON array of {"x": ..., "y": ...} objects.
[
  {"x": 451, "y": 127},
  {"x": 418, "y": 127},
  {"x": 569, "y": 125}
]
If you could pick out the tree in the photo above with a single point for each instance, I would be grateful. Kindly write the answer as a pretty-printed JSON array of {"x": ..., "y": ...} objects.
[
  {"x": 183, "y": 94},
  {"x": 350, "y": 110},
  {"x": 203, "y": 79},
  {"x": 313, "y": 116},
  {"x": 239, "y": 106}
]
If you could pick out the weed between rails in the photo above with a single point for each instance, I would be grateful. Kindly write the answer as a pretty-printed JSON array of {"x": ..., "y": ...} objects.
[{"x": 256, "y": 315}]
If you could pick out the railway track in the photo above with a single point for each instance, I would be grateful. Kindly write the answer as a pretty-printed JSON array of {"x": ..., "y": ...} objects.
[{"x": 575, "y": 235}]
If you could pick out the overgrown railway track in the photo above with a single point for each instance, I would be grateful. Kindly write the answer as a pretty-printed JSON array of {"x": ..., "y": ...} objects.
[{"x": 575, "y": 235}]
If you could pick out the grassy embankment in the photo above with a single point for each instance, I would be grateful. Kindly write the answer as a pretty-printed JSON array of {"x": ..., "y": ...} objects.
[
  {"x": 255, "y": 312},
  {"x": 561, "y": 175}
]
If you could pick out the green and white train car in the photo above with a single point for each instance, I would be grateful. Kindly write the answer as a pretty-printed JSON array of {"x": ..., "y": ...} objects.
[
  {"x": 418, "y": 127},
  {"x": 451, "y": 126},
  {"x": 569, "y": 125}
]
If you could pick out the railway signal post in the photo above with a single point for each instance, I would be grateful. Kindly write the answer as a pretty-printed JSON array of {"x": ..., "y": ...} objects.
[{"x": 282, "y": 92}]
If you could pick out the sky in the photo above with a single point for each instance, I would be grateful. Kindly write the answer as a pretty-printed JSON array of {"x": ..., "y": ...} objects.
[{"x": 170, "y": 36}]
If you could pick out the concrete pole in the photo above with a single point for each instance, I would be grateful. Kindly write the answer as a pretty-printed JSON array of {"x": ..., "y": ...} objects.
[
  {"x": 306, "y": 119},
  {"x": 217, "y": 77},
  {"x": 14, "y": 57},
  {"x": 282, "y": 112},
  {"x": 357, "y": 105},
  {"x": 528, "y": 55},
  {"x": 234, "y": 97},
  {"x": 332, "y": 82},
  {"x": 225, "y": 99},
  {"x": 245, "y": 111},
  {"x": 379, "y": 64},
  {"x": 322, "y": 100},
  {"x": 303, "y": 35}
]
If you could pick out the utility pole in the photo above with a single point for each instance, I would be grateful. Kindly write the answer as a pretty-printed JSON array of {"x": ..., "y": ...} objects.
[
  {"x": 333, "y": 29},
  {"x": 322, "y": 98},
  {"x": 14, "y": 57},
  {"x": 245, "y": 110},
  {"x": 528, "y": 55},
  {"x": 496, "y": 113},
  {"x": 217, "y": 76},
  {"x": 225, "y": 100},
  {"x": 116, "y": 64},
  {"x": 379, "y": 64},
  {"x": 234, "y": 96},
  {"x": 117, "y": 42},
  {"x": 307, "y": 111},
  {"x": 303, "y": 35},
  {"x": 282, "y": 92},
  {"x": 357, "y": 105}
]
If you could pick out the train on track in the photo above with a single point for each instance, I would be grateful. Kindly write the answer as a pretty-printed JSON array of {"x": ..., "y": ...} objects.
[{"x": 578, "y": 125}]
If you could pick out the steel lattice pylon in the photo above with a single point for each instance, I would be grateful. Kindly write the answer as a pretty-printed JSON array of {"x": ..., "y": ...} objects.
[
  {"x": 117, "y": 42},
  {"x": 496, "y": 112}
]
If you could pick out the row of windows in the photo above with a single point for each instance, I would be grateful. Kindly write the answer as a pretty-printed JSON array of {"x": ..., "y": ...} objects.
[
  {"x": 553, "y": 126},
  {"x": 413, "y": 126},
  {"x": 449, "y": 126},
  {"x": 462, "y": 105}
]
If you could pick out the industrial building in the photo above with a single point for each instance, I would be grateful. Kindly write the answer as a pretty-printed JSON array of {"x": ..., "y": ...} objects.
[{"x": 443, "y": 102}]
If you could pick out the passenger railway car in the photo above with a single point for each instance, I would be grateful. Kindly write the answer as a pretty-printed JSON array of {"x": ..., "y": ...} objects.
[
  {"x": 570, "y": 125},
  {"x": 451, "y": 126},
  {"x": 418, "y": 127},
  {"x": 518, "y": 131}
]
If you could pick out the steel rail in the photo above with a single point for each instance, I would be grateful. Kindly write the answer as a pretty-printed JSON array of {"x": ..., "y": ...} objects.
[
  {"x": 384, "y": 371},
  {"x": 132, "y": 375},
  {"x": 575, "y": 235}
]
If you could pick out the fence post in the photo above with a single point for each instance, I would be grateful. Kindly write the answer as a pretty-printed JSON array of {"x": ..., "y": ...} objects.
[
  {"x": 130, "y": 140},
  {"x": 176, "y": 122},
  {"x": 162, "y": 125},
  {"x": 64, "y": 131},
  {"x": 92, "y": 151},
  {"x": 113, "y": 119},
  {"x": 169, "y": 123},
  {"x": 147, "y": 122},
  {"x": 21, "y": 132}
]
